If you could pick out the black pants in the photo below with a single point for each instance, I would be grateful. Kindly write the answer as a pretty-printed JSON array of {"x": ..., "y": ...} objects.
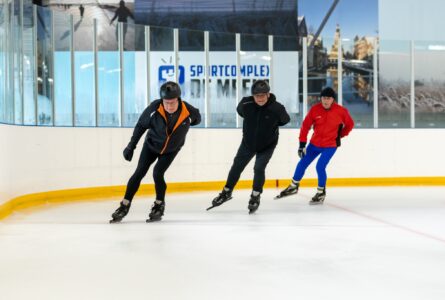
[
  {"x": 242, "y": 158},
  {"x": 145, "y": 160}
]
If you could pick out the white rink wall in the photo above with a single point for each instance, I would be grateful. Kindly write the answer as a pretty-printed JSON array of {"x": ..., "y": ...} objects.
[{"x": 39, "y": 159}]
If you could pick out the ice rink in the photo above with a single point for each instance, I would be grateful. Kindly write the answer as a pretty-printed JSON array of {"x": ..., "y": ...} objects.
[{"x": 363, "y": 243}]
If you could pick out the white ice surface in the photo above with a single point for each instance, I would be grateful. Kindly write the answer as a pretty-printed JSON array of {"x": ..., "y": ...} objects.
[{"x": 363, "y": 243}]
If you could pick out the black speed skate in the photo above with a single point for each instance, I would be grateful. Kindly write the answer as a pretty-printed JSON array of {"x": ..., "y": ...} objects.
[
  {"x": 157, "y": 211},
  {"x": 290, "y": 190},
  {"x": 120, "y": 213},
  {"x": 224, "y": 196},
  {"x": 319, "y": 197},
  {"x": 254, "y": 203}
]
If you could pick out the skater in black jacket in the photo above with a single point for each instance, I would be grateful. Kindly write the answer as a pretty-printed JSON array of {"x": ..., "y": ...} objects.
[
  {"x": 167, "y": 120},
  {"x": 262, "y": 114}
]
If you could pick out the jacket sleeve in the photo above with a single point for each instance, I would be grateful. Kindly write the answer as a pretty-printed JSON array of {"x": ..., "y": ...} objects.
[
  {"x": 240, "y": 108},
  {"x": 348, "y": 123},
  {"x": 306, "y": 126},
  {"x": 280, "y": 113},
  {"x": 195, "y": 115},
  {"x": 283, "y": 116},
  {"x": 141, "y": 127}
]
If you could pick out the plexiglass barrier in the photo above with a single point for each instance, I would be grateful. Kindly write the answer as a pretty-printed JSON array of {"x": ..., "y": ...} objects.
[{"x": 58, "y": 69}]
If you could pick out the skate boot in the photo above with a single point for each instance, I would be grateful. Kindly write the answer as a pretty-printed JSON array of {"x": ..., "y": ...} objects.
[
  {"x": 319, "y": 196},
  {"x": 224, "y": 196},
  {"x": 157, "y": 211},
  {"x": 254, "y": 203},
  {"x": 290, "y": 190},
  {"x": 121, "y": 211}
]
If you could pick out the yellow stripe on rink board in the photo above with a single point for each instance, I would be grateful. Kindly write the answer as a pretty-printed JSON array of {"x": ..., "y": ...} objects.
[
  {"x": 387, "y": 181},
  {"x": 106, "y": 192}
]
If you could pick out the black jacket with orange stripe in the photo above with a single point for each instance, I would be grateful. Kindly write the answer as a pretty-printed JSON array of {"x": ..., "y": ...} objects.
[{"x": 154, "y": 119}]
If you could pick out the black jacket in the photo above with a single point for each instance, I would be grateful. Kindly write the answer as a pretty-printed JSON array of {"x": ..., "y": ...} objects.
[
  {"x": 260, "y": 126},
  {"x": 154, "y": 118}
]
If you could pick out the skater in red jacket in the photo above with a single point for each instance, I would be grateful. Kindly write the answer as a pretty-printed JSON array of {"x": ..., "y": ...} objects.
[{"x": 330, "y": 122}]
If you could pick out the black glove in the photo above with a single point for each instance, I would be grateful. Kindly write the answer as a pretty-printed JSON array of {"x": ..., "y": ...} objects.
[
  {"x": 302, "y": 149},
  {"x": 128, "y": 153}
]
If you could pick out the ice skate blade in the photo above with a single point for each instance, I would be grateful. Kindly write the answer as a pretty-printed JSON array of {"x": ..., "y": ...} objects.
[
  {"x": 283, "y": 196},
  {"x": 153, "y": 220},
  {"x": 315, "y": 202},
  {"x": 112, "y": 221},
  {"x": 213, "y": 206},
  {"x": 252, "y": 209}
]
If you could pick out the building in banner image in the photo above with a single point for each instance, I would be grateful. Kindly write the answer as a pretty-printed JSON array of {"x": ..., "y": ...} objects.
[{"x": 224, "y": 18}]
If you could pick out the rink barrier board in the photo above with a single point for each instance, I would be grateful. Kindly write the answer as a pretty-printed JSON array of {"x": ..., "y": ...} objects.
[{"x": 106, "y": 192}]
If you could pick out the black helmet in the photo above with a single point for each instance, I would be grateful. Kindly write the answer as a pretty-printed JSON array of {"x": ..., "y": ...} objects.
[
  {"x": 260, "y": 87},
  {"x": 328, "y": 92},
  {"x": 170, "y": 90}
]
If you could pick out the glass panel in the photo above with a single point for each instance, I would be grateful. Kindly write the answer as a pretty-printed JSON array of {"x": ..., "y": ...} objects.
[
  {"x": 286, "y": 43},
  {"x": 254, "y": 42},
  {"x": 139, "y": 38},
  {"x": 429, "y": 84},
  {"x": 109, "y": 88},
  {"x": 2, "y": 59},
  {"x": 162, "y": 59},
  {"x": 357, "y": 82},
  {"x": 220, "y": 41},
  {"x": 191, "y": 62},
  {"x": 191, "y": 40},
  {"x": 161, "y": 38},
  {"x": 129, "y": 36},
  {"x": 107, "y": 34},
  {"x": 322, "y": 67},
  {"x": 222, "y": 86},
  {"x": 109, "y": 72},
  {"x": 17, "y": 61},
  {"x": 394, "y": 84},
  {"x": 109, "y": 76},
  {"x": 44, "y": 66},
  {"x": 85, "y": 114},
  {"x": 62, "y": 69},
  {"x": 5, "y": 105},
  {"x": 285, "y": 79},
  {"x": 135, "y": 79},
  {"x": 255, "y": 61},
  {"x": 29, "y": 64}
]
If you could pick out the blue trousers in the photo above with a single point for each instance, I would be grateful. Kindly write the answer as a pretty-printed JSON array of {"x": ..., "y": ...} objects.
[{"x": 311, "y": 153}]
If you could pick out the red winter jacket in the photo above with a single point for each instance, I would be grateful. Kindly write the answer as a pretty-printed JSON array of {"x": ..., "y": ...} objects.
[{"x": 330, "y": 125}]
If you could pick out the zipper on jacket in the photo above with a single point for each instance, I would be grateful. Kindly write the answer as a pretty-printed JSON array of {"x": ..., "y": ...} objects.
[
  {"x": 166, "y": 142},
  {"x": 179, "y": 121}
]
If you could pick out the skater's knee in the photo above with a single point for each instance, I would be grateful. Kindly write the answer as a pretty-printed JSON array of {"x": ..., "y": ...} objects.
[
  {"x": 259, "y": 169},
  {"x": 303, "y": 165},
  {"x": 240, "y": 162},
  {"x": 140, "y": 173},
  {"x": 158, "y": 176},
  {"x": 136, "y": 178},
  {"x": 321, "y": 167}
]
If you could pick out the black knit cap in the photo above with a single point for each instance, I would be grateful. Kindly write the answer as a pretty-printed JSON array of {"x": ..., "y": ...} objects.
[
  {"x": 170, "y": 90},
  {"x": 260, "y": 87},
  {"x": 328, "y": 92}
]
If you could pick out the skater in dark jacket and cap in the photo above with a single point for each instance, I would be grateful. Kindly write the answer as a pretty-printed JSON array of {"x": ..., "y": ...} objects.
[
  {"x": 167, "y": 120},
  {"x": 331, "y": 122},
  {"x": 262, "y": 114}
]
